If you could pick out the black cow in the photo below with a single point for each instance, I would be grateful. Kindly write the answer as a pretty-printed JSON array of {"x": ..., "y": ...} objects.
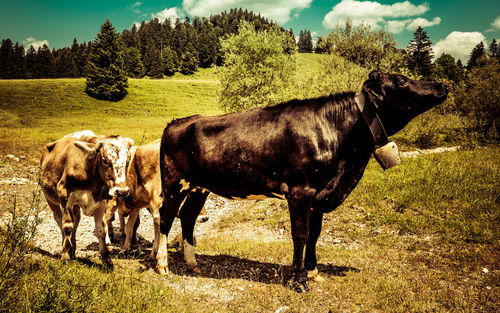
[{"x": 310, "y": 152}]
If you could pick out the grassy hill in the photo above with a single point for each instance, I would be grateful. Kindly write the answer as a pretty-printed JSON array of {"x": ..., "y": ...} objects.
[{"x": 35, "y": 112}]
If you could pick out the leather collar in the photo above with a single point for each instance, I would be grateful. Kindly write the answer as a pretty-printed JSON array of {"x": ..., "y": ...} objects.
[{"x": 372, "y": 120}]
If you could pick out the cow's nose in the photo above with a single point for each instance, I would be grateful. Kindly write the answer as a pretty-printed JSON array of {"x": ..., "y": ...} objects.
[
  {"x": 119, "y": 192},
  {"x": 123, "y": 192}
]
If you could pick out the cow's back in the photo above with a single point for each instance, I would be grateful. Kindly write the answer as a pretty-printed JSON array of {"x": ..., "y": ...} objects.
[
  {"x": 60, "y": 156},
  {"x": 143, "y": 175}
]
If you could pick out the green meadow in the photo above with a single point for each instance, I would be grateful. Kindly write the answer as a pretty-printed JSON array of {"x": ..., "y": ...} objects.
[{"x": 421, "y": 237}]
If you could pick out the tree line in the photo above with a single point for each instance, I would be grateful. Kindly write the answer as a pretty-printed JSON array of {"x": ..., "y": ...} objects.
[
  {"x": 152, "y": 48},
  {"x": 368, "y": 48}
]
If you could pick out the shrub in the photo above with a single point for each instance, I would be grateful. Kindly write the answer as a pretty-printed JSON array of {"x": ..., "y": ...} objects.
[
  {"x": 258, "y": 70},
  {"x": 16, "y": 240},
  {"x": 479, "y": 99}
]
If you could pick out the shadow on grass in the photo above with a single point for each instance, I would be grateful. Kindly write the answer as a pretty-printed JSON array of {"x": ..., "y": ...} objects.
[
  {"x": 211, "y": 266},
  {"x": 227, "y": 267},
  {"x": 82, "y": 261}
]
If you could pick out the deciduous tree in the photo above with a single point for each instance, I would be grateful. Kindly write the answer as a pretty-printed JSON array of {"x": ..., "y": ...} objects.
[{"x": 258, "y": 71}]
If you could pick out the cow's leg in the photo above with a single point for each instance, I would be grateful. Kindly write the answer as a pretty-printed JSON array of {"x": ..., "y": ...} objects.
[
  {"x": 122, "y": 223},
  {"x": 134, "y": 229},
  {"x": 315, "y": 223},
  {"x": 67, "y": 229},
  {"x": 76, "y": 220},
  {"x": 57, "y": 213},
  {"x": 129, "y": 229},
  {"x": 109, "y": 217},
  {"x": 168, "y": 211},
  {"x": 101, "y": 235},
  {"x": 155, "y": 212},
  {"x": 300, "y": 201},
  {"x": 189, "y": 212}
]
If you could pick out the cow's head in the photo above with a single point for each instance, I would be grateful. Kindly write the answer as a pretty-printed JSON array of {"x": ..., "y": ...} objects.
[
  {"x": 112, "y": 155},
  {"x": 399, "y": 99}
]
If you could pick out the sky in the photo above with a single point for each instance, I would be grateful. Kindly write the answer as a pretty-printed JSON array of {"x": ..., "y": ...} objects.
[{"x": 454, "y": 27}]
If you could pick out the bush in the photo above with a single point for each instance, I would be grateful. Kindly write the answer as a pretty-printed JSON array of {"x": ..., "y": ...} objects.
[
  {"x": 258, "y": 71},
  {"x": 335, "y": 75},
  {"x": 16, "y": 240},
  {"x": 479, "y": 99}
]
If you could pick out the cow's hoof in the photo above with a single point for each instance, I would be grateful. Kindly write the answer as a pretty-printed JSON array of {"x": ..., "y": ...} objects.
[
  {"x": 314, "y": 276},
  {"x": 65, "y": 256},
  {"x": 195, "y": 269},
  {"x": 299, "y": 287},
  {"x": 162, "y": 270},
  {"x": 202, "y": 218}
]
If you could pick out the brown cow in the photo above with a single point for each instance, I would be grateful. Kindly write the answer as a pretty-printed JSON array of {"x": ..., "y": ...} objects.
[
  {"x": 143, "y": 180},
  {"x": 82, "y": 170}
]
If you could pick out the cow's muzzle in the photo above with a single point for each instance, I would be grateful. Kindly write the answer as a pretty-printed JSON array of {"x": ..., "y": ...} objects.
[{"x": 119, "y": 192}]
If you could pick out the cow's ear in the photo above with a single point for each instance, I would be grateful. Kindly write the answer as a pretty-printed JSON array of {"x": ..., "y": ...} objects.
[
  {"x": 375, "y": 75},
  {"x": 85, "y": 147},
  {"x": 129, "y": 142}
]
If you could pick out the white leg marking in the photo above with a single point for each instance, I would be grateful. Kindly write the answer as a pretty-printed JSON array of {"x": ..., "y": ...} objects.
[{"x": 189, "y": 256}]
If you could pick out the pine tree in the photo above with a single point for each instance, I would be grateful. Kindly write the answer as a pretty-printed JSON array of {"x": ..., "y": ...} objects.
[
  {"x": 188, "y": 60},
  {"x": 420, "y": 53},
  {"x": 153, "y": 62},
  {"x": 308, "y": 42},
  {"x": 64, "y": 64},
  {"x": 477, "y": 53},
  {"x": 133, "y": 63},
  {"x": 84, "y": 52},
  {"x": 445, "y": 67},
  {"x": 207, "y": 50},
  {"x": 30, "y": 62},
  {"x": 320, "y": 43},
  {"x": 170, "y": 61},
  {"x": 493, "y": 51},
  {"x": 106, "y": 77},
  {"x": 6, "y": 57},
  {"x": 75, "y": 58},
  {"x": 45, "y": 66},
  {"x": 18, "y": 61}
]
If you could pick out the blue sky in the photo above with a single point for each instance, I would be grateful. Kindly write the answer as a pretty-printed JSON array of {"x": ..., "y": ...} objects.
[{"x": 453, "y": 26}]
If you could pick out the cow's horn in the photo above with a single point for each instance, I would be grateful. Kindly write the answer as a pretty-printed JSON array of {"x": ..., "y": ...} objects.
[
  {"x": 130, "y": 142},
  {"x": 83, "y": 146}
]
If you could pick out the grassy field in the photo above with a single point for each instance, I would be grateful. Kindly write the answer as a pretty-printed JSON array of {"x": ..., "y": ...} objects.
[
  {"x": 35, "y": 112},
  {"x": 422, "y": 237}
]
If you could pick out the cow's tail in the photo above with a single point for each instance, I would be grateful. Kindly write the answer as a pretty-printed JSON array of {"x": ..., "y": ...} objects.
[{"x": 162, "y": 165}]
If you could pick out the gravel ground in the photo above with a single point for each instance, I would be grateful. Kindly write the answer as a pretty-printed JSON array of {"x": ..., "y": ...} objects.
[{"x": 18, "y": 178}]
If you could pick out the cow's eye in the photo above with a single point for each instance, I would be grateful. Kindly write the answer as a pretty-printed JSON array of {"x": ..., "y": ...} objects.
[
  {"x": 399, "y": 81},
  {"x": 105, "y": 161}
]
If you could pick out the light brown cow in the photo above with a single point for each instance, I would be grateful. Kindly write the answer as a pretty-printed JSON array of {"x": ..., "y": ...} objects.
[
  {"x": 82, "y": 170},
  {"x": 143, "y": 180}
]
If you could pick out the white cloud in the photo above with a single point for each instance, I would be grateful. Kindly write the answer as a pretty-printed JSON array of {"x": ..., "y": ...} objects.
[
  {"x": 495, "y": 25},
  {"x": 279, "y": 11},
  {"x": 30, "y": 41},
  {"x": 172, "y": 14},
  {"x": 419, "y": 21},
  {"x": 135, "y": 7},
  {"x": 458, "y": 44},
  {"x": 396, "y": 26},
  {"x": 373, "y": 14}
]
